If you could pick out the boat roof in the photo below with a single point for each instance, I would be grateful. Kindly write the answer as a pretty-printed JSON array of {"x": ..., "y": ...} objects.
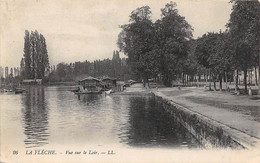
[
  {"x": 90, "y": 78},
  {"x": 108, "y": 78}
]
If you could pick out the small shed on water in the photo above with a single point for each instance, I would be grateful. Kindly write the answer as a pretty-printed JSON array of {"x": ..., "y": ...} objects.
[
  {"x": 109, "y": 82},
  {"x": 90, "y": 82}
]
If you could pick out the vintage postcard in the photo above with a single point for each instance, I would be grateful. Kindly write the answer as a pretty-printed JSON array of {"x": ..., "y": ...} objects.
[{"x": 129, "y": 81}]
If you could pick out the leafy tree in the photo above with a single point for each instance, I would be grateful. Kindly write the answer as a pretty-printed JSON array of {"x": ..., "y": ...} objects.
[
  {"x": 137, "y": 41},
  {"x": 27, "y": 56},
  {"x": 206, "y": 47},
  {"x": 22, "y": 68},
  {"x": 253, "y": 35},
  {"x": 64, "y": 72},
  {"x": 33, "y": 54},
  {"x": 244, "y": 30},
  {"x": 44, "y": 58},
  {"x": 190, "y": 65},
  {"x": 98, "y": 68},
  {"x": 173, "y": 33},
  {"x": 116, "y": 64},
  {"x": 221, "y": 61},
  {"x": 214, "y": 52},
  {"x": 36, "y": 61}
]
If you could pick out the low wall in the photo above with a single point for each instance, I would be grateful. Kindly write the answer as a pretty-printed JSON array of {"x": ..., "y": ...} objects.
[{"x": 202, "y": 128}]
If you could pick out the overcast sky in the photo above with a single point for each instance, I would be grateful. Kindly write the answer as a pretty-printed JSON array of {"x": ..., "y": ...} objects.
[{"x": 78, "y": 30}]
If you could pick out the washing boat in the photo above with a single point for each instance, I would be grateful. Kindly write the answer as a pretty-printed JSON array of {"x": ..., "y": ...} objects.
[{"x": 90, "y": 85}]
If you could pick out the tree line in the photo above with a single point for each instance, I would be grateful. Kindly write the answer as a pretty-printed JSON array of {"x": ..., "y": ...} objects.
[
  {"x": 165, "y": 48},
  {"x": 35, "y": 61},
  {"x": 115, "y": 67}
]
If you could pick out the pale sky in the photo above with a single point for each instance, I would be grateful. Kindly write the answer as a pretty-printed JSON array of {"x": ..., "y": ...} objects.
[{"x": 79, "y": 30}]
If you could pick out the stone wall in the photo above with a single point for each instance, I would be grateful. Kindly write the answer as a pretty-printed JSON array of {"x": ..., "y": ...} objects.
[{"x": 202, "y": 128}]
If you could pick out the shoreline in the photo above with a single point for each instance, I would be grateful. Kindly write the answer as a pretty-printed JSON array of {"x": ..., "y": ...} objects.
[{"x": 210, "y": 131}]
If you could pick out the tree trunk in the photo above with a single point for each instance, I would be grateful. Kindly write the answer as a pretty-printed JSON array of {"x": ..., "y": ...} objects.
[
  {"x": 259, "y": 76},
  {"x": 236, "y": 80},
  {"x": 245, "y": 82},
  {"x": 251, "y": 77},
  {"x": 255, "y": 77},
  {"x": 198, "y": 80},
  {"x": 187, "y": 80},
  {"x": 230, "y": 78},
  {"x": 226, "y": 80},
  {"x": 214, "y": 83},
  {"x": 220, "y": 82},
  {"x": 182, "y": 78},
  {"x": 147, "y": 81},
  {"x": 209, "y": 82}
]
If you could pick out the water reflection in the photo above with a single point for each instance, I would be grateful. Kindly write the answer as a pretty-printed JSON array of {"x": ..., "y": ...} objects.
[
  {"x": 35, "y": 117},
  {"x": 151, "y": 126},
  {"x": 53, "y": 116},
  {"x": 89, "y": 98}
]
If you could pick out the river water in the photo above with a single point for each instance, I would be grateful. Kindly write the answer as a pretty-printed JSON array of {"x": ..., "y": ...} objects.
[{"x": 53, "y": 116}]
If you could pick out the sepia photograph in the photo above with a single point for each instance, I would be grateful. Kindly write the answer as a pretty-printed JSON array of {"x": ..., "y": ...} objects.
[{"x": 138, "y": 81}]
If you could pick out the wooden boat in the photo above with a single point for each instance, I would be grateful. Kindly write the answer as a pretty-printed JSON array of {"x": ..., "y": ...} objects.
[{"x": 90, "y": 85}]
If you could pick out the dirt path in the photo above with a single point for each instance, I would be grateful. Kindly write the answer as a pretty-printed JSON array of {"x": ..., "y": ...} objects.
[{"x": 238, "y": 112}]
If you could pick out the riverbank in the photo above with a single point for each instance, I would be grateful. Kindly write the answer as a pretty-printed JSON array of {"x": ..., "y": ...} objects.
[
  {"x": 235, "y": 116},
  {"x": 135, "y": 89}
]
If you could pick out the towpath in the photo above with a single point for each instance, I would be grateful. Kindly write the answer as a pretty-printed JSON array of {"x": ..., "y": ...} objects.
[{"x": 241, "y": 114}]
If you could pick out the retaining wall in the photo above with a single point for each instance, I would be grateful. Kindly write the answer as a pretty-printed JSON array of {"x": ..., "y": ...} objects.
[{"x": 208, "y": 133}]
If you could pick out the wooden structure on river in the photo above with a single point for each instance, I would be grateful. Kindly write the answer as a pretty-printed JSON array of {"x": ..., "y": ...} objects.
[{"x": 90, "y": 85}]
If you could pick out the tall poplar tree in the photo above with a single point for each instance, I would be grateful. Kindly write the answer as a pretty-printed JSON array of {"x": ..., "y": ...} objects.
[
  {"x": 27, "y": 55},
  {"x": 36, "y": 60}
]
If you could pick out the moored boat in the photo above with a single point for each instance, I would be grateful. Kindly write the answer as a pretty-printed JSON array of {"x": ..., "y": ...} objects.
[{"x": 90, "y": 85}]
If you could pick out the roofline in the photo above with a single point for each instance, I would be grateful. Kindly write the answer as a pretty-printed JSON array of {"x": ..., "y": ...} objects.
[{"x": 90, "y": 79}]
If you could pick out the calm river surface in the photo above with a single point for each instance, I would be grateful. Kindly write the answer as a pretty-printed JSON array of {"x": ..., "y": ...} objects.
[{"x": 53, "y": 116}]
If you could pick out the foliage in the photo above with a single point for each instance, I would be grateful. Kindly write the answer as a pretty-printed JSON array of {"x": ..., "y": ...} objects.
[
  {"x": 243, "y": 25},
  {"x": 35, "y": 62},
  {"x": 137, "y": 41},
  {"x": 154, "y": 48},
  {"x": 244, "y": 29},
  {"x": 116, "y": 68},
  {"x": 190, "y": 65}
]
